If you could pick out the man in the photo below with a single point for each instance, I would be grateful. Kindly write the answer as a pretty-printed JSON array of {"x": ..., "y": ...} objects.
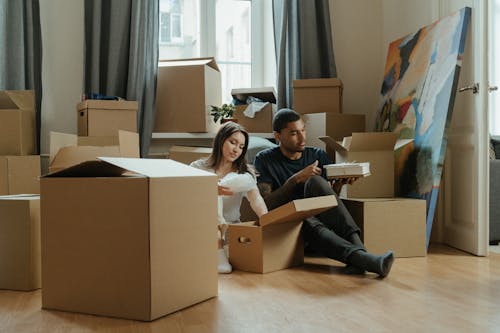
[{"x": 293, "y": 171}]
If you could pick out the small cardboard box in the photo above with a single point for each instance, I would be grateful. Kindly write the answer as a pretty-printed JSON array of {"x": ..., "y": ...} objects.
[
  {"x": 186, "y": 89},
  {"x": 20, "y": 242},
  {"x": 374, "y": 147},
  {"x": 19, "y": 174},
  {"x": 335, "y": 125},
  {"x": 17, "y": 122},
  {"x": 274, "y": 242},
  {"x": 187, "y": 155},
  {"x": 262, "y": 122},
  {"x": 128, "y": 245},
  {"x": 106, "y": 118},
  {"x": 317, "y": 95},
  {"x": 403, "y": 230},
  {"x": 68, "y": 149}
]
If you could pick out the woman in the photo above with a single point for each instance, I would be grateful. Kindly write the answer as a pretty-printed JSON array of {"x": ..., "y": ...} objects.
[{"x": 236, "y": 180}]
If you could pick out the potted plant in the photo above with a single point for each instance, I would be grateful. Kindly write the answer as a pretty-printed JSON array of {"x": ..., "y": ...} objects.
[{"x": 224, "y": 112}]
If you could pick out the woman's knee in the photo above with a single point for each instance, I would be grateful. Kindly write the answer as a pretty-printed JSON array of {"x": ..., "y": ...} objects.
[{"x": 317, "y": 186}]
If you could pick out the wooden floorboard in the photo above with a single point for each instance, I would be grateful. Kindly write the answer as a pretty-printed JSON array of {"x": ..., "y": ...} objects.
[{"x": 447, "y": 291}]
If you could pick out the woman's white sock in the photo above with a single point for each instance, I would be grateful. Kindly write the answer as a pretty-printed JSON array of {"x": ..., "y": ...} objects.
[{"x": 224, "y": 266}]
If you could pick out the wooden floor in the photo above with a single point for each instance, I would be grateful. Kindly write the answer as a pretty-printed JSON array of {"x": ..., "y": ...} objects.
[{"x": 448, "y": 291}]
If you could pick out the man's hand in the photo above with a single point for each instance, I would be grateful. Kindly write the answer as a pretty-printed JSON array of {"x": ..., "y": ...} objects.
[
  {"x": 303, "y": 175},
  {"x": 338, "y": 183}
]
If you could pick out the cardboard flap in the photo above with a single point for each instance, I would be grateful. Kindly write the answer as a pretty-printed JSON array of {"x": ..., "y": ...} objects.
[
  {"x": 58, "y": 141},
  {"x": 69, "y": 156},
  {"x": 266, "y": 94},
  {"x": 298, "y": 210},
  {"x": 98, "y": 141},
  {"x": 93, "y": 168},
  {"x": 210, "y": 62},
  {"x": 155, "y": 168},
  {"x": 17, "y": 99},
  {"x": 129, "y": 144},
  {"x": 372, "y": 141},
  {"x": 331, "y": 143}
]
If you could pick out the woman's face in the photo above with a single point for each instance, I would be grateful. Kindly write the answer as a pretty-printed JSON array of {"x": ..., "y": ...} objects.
[{"x": 233, "y": 147}]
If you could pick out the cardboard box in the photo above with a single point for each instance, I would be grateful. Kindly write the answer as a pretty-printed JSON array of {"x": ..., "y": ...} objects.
[
  {"x": 335, "y": 125},
  {"x": 20, "y": 242},
  {"x": 317, "y": 95},
  {"x": 403, "y": 230},
  {"x": 262, "y": 122},
  {"x": 186, "y": 89},
  {"x": 274, "y": 242},
  {"x": 19, "y": 174},
  {"x": 17, "y": 122},
  {"x": 187, "y": 155},
  {"x": 106, "y": 118},
  {"x": 374, "y": 147},
  {"x": 68, "y": 149},
  {"x": 128, "y": 245}
]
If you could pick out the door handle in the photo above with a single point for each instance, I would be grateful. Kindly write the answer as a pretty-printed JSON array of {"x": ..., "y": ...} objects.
[{"x": 474, "y": 88}]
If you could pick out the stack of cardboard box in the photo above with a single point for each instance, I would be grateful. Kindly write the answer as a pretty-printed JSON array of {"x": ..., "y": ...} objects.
[
  {"x": 369, "y": 199},
  {"x": 19, "y": 189}
]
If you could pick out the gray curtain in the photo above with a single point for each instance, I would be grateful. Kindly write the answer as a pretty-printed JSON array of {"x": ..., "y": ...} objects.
[
  {"x": 303, "y": 41},
  {"x": 121, "y": 55},
  {"x": 21, "y": 51}
]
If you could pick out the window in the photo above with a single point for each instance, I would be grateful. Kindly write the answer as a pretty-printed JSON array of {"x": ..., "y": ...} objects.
[{"x": 221, "y": 28}]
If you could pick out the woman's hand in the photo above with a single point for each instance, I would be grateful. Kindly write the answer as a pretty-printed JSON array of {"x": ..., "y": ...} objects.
[{"x": 223, "y": 190}]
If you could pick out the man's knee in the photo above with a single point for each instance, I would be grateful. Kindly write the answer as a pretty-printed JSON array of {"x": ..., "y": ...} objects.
[{"x": 317, "y": 186}]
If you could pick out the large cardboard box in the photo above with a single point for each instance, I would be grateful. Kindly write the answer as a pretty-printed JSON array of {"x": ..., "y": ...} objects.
[
  {"x": 402, "y": 230},
  {"x": 274, "y": 242},
  {"x": 106, "y": 118},
  {"x": 317, "y": 95},
  {"x": 335, "y": 125},
  {"x": 128, "y": 245},
  {"x": 19, "y": 174},
  {"x": 187, "y": 155},
  {"x": 262, "y": 122},
  {"x": 186, "y": 88},
  {"x": 374, "y": 147},
  {"x": 17, "y": 122},
  {"x": 68, "y": 149},
  {"x": 20, "y": 242}
]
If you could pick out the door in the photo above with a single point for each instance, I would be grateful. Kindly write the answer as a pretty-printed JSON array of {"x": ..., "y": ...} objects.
[{"x": 466, "y": 173}]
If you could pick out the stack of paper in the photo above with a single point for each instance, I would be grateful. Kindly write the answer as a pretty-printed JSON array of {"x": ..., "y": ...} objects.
[{"x": 343, "y": 170}]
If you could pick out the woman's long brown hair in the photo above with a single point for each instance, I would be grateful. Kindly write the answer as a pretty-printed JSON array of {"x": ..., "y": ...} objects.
[{"x": 226, "y": 130}]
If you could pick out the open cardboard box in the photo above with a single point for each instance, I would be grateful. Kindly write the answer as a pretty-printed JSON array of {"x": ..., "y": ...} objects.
[
  {"x": 106, "y": 118},
  {"x": 17, "y": 122},
  {"x": 68, "y": 149},
  {"x": 274, "y": 242},
  {"x": 128, "y": 245},
  {"x": 374, "y": 147},
  {"x": 262, "y": 122}
]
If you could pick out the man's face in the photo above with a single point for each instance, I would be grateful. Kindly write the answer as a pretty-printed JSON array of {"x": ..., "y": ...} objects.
[{"x": 292, "y": 138}]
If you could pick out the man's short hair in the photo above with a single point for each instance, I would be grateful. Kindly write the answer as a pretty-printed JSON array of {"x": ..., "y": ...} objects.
[{"x": 283, "y": 117}]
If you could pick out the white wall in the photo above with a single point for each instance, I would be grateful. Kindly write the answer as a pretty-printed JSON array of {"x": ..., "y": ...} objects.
[
  {"x": 62, "y": 68},
  {"x": 357, "y": 44}
]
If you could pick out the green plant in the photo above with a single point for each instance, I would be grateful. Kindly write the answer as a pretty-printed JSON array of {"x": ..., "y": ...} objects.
[{"x": 222, "y": 112}]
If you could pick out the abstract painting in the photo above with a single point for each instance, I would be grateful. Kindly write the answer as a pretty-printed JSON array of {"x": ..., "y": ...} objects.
[{"x": 417, "y": 96}]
